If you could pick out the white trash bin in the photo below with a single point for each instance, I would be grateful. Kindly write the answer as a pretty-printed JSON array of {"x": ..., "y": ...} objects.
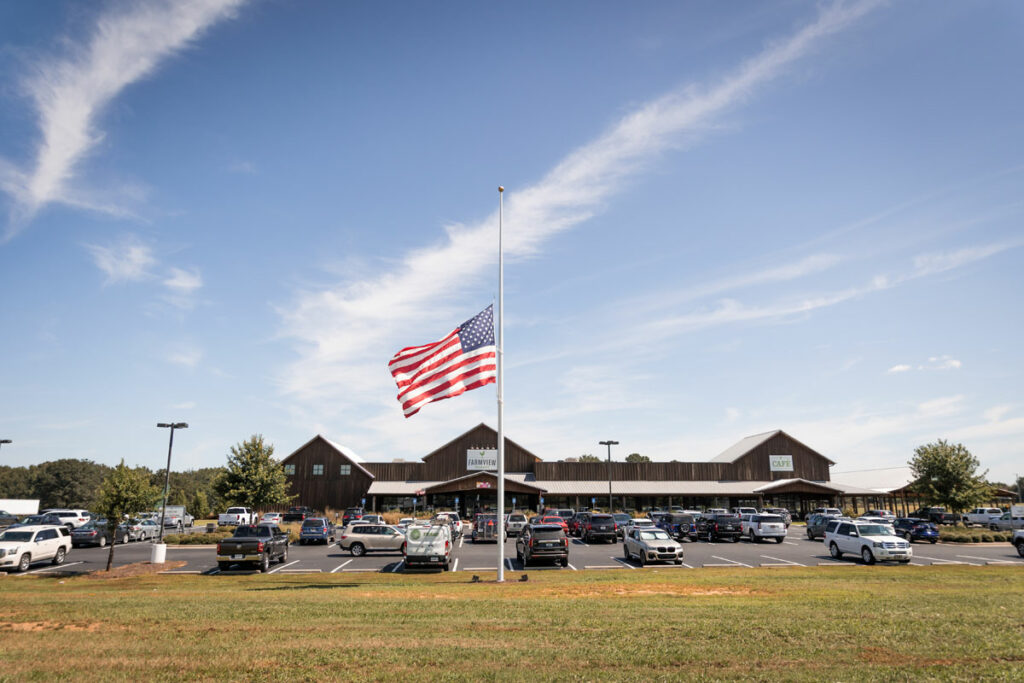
[{"x": 159, "y": 554}]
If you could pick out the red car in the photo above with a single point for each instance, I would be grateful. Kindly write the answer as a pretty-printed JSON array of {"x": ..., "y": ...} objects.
[{"x": 555, "y": 519}]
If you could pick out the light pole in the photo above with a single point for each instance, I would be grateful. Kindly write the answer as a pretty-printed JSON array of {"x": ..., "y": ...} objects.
[
  {"x": 3, "y": 441},
  {"x": 609, "y": 444},
  {"x": 167, "y": 474}
]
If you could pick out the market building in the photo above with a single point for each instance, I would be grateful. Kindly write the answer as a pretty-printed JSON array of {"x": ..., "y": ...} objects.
[{"x": 770, "y": 469}]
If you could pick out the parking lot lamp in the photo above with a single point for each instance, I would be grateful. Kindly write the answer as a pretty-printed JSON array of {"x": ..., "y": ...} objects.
[
  {"x": 3, "y": 441},
  {"x": 609, "y": 444},
  {"x": 167, "y": 474}
]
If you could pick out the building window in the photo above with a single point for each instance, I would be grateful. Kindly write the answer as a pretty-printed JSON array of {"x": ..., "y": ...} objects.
[
  {"x": 289, "y": 469},
  {"x": 318, "y": 469},
  {"x": 345, "y": 470}
]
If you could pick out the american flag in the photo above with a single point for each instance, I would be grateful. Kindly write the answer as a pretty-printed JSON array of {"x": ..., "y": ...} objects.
[{"x": 463, "y": 360}]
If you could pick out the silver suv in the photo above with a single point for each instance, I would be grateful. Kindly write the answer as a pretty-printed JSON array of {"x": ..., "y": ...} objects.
[
  {"x": 872, "y": 542},
  {"x": 514, "y": 523}
]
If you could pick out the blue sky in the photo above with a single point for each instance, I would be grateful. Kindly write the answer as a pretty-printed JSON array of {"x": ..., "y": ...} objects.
[{"x": 720, "y": 220}]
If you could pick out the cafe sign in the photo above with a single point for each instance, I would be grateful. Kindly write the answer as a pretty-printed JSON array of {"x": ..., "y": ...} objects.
[
  {"x": 780, "y": 463},
  {"x": 485, "y": 459}
]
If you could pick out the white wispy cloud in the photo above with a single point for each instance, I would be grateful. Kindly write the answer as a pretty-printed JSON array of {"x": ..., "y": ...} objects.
[
  {"x": 902, "y": 367},
  {"x": 126, "y": 261},
  {"x": 69, "y": 92},
  {"x": 340, "y": 330},
  {"x": 934, "y": 363},
  {"x": 188, "y": 357},
  {"x": 182, "y": 286}
]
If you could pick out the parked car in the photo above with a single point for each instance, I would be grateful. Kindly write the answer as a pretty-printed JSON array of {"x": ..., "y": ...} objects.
[
  {"x": 236, "y": 516},
  {"x": 315, "y": 530},
  {"x": 429, "y": 546},
  {"x": 651, "y": 545},
  {"x": 599, "y": 527},
  {"x": 681, "y": 527},
  {"x": 1018, "y": 541},
  {"x": 936, "y": 515},
  {"x": 787, "y": 518},
  {"x": 177, "y": 516},
  {"x": 253, "y": 545},
  {"x": 880, "y": 513},
  {"x": 134, "y": 529},
  {"x": 272, "y": 518},
  {"x": 872, "y": 542},
  {"x": 564, "y": 513},
  {"x": 7, "y": 519},
  {"x": 40, "y": 520},
  {"x": 359, "y": 538},
  {"x": 297, "y": 513},
  {"x": 875, "y": 520},
  {"x": 715, "y": 511},
  {"x": 816, "y": 524},
  {"x": 96, "y": 532},
  {"x": 718, "y": 526},
  {"x": 543, "y": 542},
  {"x": 372, "y": 519},
  {"x": 70, "y": 518},
  {"x": 351, "y": 514},
  {"x": 638, "y": 523},
  {"x": 404, "y": 523},
  {"x": 743, "y": 511},
  {"x": 556, "y": 520},
  {"x": 1005, "y": 523},
  {"x": 514, "y": 523},
  {"x": 981, "y": 516},
  {"x": 148, "y": 529},
  {"x": 620, "y": 523},
  {"x": 21, "y": 547},
  {"x": 485, "y": 528},
  {"x": 759, "y": 527},
  {"x": 916, "y": 529},
  {"x": 575, "y": 523}
]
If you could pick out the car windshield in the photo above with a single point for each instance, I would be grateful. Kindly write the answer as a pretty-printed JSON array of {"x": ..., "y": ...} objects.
[
  {"x": 874, "y": 530},
  {"x": 654, "y": 535},
  {"x": 17, "y": 536}
]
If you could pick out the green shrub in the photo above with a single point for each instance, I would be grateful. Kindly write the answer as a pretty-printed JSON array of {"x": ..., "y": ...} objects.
[{"x": 197, "y": 539}]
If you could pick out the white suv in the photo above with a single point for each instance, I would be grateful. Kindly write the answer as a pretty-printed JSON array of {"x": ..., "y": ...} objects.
[
  {"x": 757, "y": 527},
  {"x": 72, "y": 519},
  {"x": 22, "y": 546},
  {"x": 873, "y": 542}
]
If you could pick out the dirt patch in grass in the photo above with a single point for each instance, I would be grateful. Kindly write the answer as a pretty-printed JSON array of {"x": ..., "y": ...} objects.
[
  {"x": 136, "y": 569},
  {"x": 34, "y": 626}
]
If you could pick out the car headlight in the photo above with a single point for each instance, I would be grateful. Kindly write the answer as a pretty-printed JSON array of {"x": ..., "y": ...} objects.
[{"x": 877, "y": 544}]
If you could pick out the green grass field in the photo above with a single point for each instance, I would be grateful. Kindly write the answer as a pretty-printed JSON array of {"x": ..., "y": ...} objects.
[{"x": 830, "y": 623}]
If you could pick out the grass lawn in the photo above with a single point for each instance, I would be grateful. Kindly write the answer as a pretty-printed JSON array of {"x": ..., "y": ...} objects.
[{"x": 826, "y": 623}]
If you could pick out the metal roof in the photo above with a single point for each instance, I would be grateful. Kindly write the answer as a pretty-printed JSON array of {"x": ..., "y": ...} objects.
[
  {"x": 743, "y": 446},
  {"x": 399, "y": 488}
]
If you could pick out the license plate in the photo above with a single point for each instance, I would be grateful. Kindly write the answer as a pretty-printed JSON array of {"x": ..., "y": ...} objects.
[
  {"x": 434, "y": 559},
  {"x": 237, "y": 557}
]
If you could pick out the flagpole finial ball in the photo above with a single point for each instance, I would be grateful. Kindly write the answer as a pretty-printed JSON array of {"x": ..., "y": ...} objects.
[{"x": 500, "y": 188}]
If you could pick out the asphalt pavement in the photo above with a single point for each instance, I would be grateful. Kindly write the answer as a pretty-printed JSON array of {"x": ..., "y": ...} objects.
[{"x": 796, "y": 551}]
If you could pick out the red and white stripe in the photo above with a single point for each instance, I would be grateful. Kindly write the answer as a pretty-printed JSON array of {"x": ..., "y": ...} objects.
[{"x": 441, "y": 370}]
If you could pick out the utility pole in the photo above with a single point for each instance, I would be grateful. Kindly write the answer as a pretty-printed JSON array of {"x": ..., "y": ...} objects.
[{"x": 609, "y": 444}]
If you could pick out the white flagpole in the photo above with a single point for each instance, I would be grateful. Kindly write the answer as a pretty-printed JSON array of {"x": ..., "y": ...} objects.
[{"x": 501, "y": 400}]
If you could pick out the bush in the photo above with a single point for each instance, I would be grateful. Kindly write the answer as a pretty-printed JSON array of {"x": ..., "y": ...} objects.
[{"x": 197, "y": 539}]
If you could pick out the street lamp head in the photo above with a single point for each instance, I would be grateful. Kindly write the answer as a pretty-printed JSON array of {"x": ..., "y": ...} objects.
[
  {"x": 6, "y": 441},
  {"x": 172, "y": 425},
  {"x": 609, "y": 443}
]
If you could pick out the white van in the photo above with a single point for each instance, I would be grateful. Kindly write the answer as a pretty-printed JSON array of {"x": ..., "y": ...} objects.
[{"x": 428, "y": 546}]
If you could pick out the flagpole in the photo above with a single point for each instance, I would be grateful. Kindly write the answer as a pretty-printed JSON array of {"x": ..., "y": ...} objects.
[{"x": 501, "y": 400}]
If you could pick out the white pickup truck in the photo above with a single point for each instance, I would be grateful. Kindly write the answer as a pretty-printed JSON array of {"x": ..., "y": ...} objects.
[
  {"x": 237, "y": 516},
  {"x": 428, "y": 546},
  {"x": 981, "y": 516}
]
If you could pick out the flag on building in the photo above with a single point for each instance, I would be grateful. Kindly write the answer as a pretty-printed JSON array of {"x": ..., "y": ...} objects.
[{"x": 463, "y": 360}]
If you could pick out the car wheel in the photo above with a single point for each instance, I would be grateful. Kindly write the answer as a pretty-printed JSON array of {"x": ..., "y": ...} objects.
[
  {"x": 284, "y": 555},
  {"x": 835, "y": 551},
  {"x": 265, "y": 563},
  {"x": 643, "y": 558},
  {"x": 357, "y": 550},
  {"x": 909, "y": 537},
  {"x": 565, "y": 562},
  {"x": 679, "y": 562},
  {"x": 103, "y": 541},
  {"x": 867, "y": 555},
  {"x": 933, "y": 541},
  {"x": 753, "y": 538},
  {"x": 710, "y": 538},
  {"x": 23, "y": 562},
  {"x": 223, "y": 566},
  {"x": 1020, "y": 549},
  {"x": 124, "y": 539},
  {"x": 810, "y": 535},
  {"x": 180, "y": 528},
  {"x": 779, "y": 539},
  {"x": 59, "y": 557}
]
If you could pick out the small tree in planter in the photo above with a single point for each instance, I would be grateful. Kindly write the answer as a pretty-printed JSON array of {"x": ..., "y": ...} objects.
[{"x": 124, "y": 492}]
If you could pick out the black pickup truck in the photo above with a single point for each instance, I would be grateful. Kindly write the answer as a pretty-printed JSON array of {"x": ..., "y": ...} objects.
[
  {"x": 253, "y": 545},
  {"x": 298, "y": 513},
  {"x": 937, "y": 515}
]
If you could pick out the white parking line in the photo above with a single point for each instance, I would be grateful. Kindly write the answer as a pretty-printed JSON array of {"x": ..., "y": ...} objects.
[
  {"x": 340, "y": 566},
  {"x": 180, "y": 572},
  {"x": 455, "y": 567},
  {"x": 332, "y": 544},
  {"x": 211, "y": 572},
  {"x": 398, "y": 566},
  {"x": 779, "y": 559},
  {"x": 836, "y": 563},
  {"x": 360, "y": 570},
  {"x": 301, "y": 571},
  {"x": 624, "y": 562},
  {"x": 461, "y": 539},
  {"x": 726, "y": 559},
  {"x": 942, "y": 560},
  {"x": 790, "y": 543},
  {"x": 991, "y": 559},
  {"x": 599, "y": 566},
  {"x": 573, "y": 568},
  {"x": 282, "y": 566},
  {"x": 51, "y": 568}
]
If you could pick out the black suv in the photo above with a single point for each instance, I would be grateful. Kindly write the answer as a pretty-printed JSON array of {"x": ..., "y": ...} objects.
[
  {"x": 542, "y": 542},
  {"x": 714, "y": 527},
  {"x": 297, "y": 514},
  {"x": 351, "y": 515},
  {"x": 599, "y": 527}
]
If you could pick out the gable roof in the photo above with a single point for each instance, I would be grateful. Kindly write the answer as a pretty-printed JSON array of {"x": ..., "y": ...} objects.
[
  {"x": 488, "y": 428},
  {"x": 749, "y": 443},
  {"x": 342, "y": 450}
]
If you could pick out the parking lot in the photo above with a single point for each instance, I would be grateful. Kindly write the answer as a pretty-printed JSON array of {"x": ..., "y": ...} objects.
[{"x": 796, "y": 551}]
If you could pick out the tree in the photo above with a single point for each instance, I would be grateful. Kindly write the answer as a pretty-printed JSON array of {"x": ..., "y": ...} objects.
[
  {"x": 253, "y": 478},
  {"x": 636, "y": 457},
  {"x": 67, "y": 483},
  {"x": 200, "y": 505},
  {"x": 587, "y": 457},
  {"x": 125, "y": 491},
  {"x": 946, "y": 475}
]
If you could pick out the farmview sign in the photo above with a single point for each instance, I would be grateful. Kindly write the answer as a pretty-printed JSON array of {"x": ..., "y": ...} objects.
[
  {"x": 781, "y": 463},
  {"x": 482, "y": 459}
]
